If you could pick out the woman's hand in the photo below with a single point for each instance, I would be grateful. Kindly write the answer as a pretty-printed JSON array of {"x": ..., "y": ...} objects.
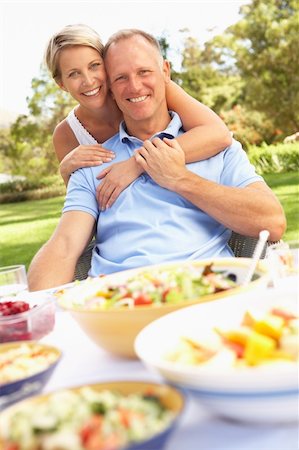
[
  {"x": 84, "y": 156},
  {"x": 116, "y": 178}
]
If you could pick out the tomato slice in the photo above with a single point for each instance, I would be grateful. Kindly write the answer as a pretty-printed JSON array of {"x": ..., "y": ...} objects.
[
  {"x": 286, "y": 315},
  {"x": 143, "y": 299}
]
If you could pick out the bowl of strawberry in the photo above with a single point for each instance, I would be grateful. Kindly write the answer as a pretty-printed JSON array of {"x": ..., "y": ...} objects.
[{"x": 25, "y": 320}]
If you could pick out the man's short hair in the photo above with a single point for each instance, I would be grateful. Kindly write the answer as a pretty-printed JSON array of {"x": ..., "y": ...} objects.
[{"x": 128, "y": 33}]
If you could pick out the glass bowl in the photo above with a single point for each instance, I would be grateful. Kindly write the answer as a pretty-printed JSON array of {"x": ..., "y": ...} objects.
[{"x": 32, "y": 324}]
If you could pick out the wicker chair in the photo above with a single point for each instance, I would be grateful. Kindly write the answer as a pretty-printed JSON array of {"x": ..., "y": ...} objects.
[
  {"x": 242, "y": 246},
  {"x": 84, "y": 262}
]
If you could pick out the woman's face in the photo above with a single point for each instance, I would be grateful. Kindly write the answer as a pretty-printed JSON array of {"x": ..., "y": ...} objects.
[{"x": 83, "y": 75}]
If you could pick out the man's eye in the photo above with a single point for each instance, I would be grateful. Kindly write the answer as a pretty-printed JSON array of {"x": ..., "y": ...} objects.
[{"x": 120, "y": 78}]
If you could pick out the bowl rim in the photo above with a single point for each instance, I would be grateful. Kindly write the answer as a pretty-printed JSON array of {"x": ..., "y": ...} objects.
[
  {"x": 261, "y": 269},
  {"x": 101, "y": 385},
  {"x": 33, "y": 310}
]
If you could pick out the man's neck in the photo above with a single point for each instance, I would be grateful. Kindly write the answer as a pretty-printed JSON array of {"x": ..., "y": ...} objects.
[{"x": 145, "y": 129}]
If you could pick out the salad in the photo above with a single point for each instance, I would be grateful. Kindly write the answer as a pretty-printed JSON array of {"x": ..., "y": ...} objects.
[
  {"x": 261, "y": 338},
  {"x": 84, "y": 419},
  {"x": 23, "y": 361},
  {"x": 156, "y": 286}
]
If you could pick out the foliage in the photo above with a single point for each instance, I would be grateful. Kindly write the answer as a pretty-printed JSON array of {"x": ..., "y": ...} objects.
[
  {"x": 275, "y": 158},
  {"x": 201, "y": 79},
  {"x": 24, "y": 184},
  {"x": 35, "y": 194},
  {"x": 263, "y": 47},
  {"x": 4, "y": 142},
  {"x": 28, "y": 148},
  {"x": 25, "y": 189},
  {"x": 249, "y": 127}
]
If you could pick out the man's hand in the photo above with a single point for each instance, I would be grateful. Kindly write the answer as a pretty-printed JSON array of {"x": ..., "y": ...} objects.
[{"x": 164, "y": 161}]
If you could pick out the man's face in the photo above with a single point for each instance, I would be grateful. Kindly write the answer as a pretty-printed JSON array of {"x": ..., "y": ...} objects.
[{"x": 138, "y": 76}]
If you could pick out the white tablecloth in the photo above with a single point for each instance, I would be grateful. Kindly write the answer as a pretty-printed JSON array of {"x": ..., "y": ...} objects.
[{"x": 83, "y": 362}]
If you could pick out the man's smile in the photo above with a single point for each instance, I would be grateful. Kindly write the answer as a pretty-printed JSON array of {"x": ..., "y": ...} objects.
[{"x": 138, "y": 99}]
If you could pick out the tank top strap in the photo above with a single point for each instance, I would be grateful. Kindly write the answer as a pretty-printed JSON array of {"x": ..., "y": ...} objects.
[{"x": 82, "y": 135}]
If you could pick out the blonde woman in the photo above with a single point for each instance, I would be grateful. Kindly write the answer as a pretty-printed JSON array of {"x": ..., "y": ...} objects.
[{"x": 74, "y": 59}]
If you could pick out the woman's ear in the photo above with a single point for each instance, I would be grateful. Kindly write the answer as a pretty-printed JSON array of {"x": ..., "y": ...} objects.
[{"x": 59, "y": 82}]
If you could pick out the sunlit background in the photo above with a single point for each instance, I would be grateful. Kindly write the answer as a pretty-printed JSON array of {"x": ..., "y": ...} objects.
[{"x": 26, "y": 26}]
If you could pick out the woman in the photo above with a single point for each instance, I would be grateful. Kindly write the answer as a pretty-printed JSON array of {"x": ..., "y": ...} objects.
[{"x": 74, "y": 58}]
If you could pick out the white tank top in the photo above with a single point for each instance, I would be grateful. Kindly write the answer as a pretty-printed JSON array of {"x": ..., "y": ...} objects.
[{"x": 82, "y": 135}]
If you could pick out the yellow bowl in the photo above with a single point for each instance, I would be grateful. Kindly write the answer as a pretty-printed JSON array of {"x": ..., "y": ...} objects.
[
  {"x": 116, "y": 329},
  {"x": 171, "y": 398}
]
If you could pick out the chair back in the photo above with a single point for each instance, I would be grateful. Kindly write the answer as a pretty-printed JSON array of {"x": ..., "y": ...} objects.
[{"x": 242, "y": 246}]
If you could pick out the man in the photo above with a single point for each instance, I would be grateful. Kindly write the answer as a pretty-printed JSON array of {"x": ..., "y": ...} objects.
[{"x": 173, "y": 211}]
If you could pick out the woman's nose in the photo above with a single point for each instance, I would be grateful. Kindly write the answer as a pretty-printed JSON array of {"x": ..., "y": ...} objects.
[{"x": 87, "y": 79}]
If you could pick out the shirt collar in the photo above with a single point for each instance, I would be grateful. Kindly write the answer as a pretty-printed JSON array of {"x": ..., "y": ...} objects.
[{"x": 174, "y": 128}]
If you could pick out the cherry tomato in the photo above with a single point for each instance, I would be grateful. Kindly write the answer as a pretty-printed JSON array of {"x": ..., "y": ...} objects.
[{"x": 143, "y": 299}]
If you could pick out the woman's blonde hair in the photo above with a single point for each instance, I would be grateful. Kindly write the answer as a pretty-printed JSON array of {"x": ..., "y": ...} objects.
[{"x": 69, "y": 36}]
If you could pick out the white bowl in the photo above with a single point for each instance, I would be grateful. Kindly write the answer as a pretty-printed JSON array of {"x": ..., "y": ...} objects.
[{"x": 264, "y": 393}]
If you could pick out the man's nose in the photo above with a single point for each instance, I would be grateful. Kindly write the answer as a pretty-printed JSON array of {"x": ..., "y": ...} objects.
[{"x": 135, "y": 84}]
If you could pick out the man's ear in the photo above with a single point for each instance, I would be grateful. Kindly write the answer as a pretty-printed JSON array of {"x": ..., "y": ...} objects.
[{"x": 166, "y": 70}]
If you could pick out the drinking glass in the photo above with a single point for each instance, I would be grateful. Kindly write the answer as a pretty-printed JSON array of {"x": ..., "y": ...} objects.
[
  {"x": 13, "y": 279},
  {"x": 283, "y": 260}
]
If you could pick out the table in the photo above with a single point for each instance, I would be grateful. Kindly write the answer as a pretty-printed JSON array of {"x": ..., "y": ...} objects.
[{"x": 83, "y": 362}]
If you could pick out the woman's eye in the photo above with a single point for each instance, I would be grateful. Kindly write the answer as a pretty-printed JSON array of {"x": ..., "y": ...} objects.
[
  {"x": 95, "y": 65},
  {"x": 73, "y": 74}
]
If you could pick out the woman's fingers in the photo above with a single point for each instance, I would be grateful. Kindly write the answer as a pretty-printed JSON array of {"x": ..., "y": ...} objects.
[{"x": 104, "y": 192}]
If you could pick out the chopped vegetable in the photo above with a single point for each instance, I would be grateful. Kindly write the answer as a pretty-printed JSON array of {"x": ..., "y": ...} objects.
[
  {"x": 23, "y": 361},
  {"x": 85, "y": 419},
  {"x": 151, "y": 287},
  {"x": 261, "y": 338}
]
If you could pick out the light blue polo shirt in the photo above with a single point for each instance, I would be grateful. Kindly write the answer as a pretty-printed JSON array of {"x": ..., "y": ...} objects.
[{"x": 149, "y": 224}]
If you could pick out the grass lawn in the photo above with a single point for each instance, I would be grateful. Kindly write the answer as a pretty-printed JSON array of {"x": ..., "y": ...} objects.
[
  {"x": 25, "y": 226},
  {"x": 286, "y": 187}
]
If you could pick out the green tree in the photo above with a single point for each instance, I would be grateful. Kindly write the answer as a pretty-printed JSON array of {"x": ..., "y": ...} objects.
[
  {"x": 28, "y": 146},
  {"x": 263, "y": 45},
  {"x": 203, "y": 77}
]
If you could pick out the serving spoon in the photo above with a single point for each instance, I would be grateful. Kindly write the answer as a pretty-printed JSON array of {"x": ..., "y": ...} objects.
[{"x": 263, "y": 237}]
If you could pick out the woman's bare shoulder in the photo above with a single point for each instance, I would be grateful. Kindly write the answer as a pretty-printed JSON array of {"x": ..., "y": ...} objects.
[
  {"x": 64, "y": 139},
  {"x": 64, "y": 133}
]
